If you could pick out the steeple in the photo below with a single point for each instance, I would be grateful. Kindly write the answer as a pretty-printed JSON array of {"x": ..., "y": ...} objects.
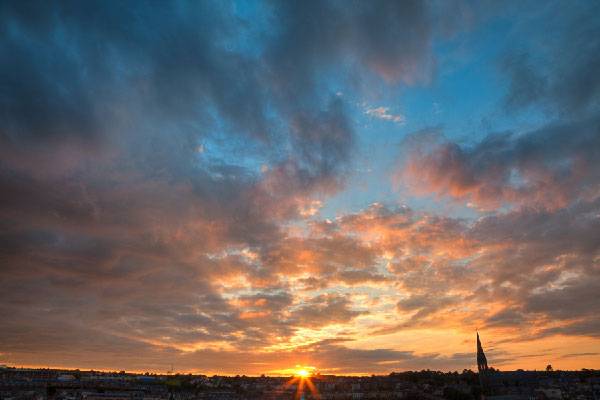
[{"x": 482, "y": 367}]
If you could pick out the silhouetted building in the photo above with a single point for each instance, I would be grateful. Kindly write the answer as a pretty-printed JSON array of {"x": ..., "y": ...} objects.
[{"x": 482, "y": 367}]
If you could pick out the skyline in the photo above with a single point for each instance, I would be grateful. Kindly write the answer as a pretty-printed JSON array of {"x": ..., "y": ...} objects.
[
  {"x": 298, "y": 372},
  {"x": 249, "y": 186}
]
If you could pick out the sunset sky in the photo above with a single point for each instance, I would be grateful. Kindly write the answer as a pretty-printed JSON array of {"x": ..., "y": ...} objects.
[{"x": 354, "y": 186}]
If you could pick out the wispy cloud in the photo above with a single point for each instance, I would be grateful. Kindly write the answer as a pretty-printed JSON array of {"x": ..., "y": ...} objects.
[{"x": 383, "y": 113}]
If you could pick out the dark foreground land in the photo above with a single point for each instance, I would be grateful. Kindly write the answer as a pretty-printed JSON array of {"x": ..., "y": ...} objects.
[{"x": 52, "y": 384}]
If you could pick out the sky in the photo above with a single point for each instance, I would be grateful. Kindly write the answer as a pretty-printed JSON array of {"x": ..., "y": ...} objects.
[{"x": 243, "y": 187}]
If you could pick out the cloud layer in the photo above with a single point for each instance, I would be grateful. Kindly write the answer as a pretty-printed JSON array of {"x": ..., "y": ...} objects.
[{"x": 163, "y": 168}]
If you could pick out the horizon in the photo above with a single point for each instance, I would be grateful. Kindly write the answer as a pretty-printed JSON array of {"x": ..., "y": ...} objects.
[
  {"x": 245, "y": 187},
  {"x": 312, "y": 375}
]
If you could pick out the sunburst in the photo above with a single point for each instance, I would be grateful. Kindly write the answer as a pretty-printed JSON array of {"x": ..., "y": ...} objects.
[{"x": 302, "y": 378}]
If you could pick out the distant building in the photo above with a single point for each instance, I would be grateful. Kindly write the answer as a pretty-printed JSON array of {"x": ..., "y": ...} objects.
[{"x": 482, "y": 367}]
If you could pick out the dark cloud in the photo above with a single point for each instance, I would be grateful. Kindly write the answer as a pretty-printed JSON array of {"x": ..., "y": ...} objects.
[
  {"x": 526, "y": 86},
  {"x": 562, "y": 78},
  {"x": 574, "y": 299},
  {"x": 588, "y": 327},
  {"x": 424, "y": 305},
  {"x": 507, "y": 317},
  {"x": 72, "y": 66},
  {"x": 390, "y": 39},
  {"x": 325, "y": 310},
  {"x": 324, "y": 141},
  {"x": 549, "y": 167}
]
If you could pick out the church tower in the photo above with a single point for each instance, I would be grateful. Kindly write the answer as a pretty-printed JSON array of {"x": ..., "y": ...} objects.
[{"x": 482, "y": 367}]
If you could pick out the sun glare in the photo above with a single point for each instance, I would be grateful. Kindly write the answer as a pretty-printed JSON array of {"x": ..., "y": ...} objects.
[
  {"x": 303, "y": 382},
  {"x": 303, "y": 371}
]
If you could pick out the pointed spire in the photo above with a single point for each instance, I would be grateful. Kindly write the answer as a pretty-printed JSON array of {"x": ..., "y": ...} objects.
[
  {"x": 482, "y": 366},
  {"x": 481, "y": 358}
]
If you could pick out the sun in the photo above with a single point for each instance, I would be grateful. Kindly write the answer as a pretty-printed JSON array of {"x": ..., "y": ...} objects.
[
  {"x": 302, "y": 379},
  {"x": 302, "y": 373}
]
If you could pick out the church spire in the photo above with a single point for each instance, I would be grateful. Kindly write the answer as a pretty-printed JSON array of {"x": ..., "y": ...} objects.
[{"x": 482, "y": 367}]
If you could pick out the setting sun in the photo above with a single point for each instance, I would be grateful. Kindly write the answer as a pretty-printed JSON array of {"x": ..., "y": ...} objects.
[
  {"x": 303, "y": 382},
  {"x": 303, "y": 371}
]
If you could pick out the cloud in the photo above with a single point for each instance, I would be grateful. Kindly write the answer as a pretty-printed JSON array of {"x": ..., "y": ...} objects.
[
  {"x": 552, "y": 165},
  {"x": 526, "y": 86},
  {"x": 561, "y": 78},
  {"x": 587, "y": 327},
  {"x": 425, "y": 304},
  {"x": 115, "y": 227},
  {"x": 325, "y": 310},
  {"x": 571, "y": 299},
  {"x": 506, "y": 317},
  {"x": 124, "y": 246},
  {"x": 507, "y": 270},
  {"x": 448, "y": 274},
  {"x": 383, "y": 113},
  {"x": 547, "y": 167},
  {"x": 579, "y": 355},
  {"x": 388, "y": 39}
]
